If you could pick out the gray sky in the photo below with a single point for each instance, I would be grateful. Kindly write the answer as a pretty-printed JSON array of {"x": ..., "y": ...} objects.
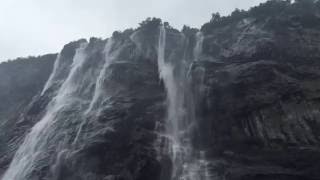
[{"x": 35, "y": 27}]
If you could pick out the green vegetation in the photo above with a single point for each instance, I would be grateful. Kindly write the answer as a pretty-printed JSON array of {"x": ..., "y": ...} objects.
[
  {"x": 150, "y": 25},
  {"x": 276, "y": 12}
]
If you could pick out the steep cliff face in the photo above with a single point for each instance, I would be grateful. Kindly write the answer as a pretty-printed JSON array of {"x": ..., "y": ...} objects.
[
  {"x": 21, "y": 80},
  {"x": 237, "y": 100},
  {"x": 259, "y": 103},
  {"x": 18, "y": 84},
  {"x": 95, "y": 116},
  {"x": 273, "y": 30},
  {"x": 263, "y": 117}
]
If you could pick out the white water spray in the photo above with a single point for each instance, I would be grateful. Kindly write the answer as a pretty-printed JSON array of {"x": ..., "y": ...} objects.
[
  {"x": 99, "y": 90},
  {"x": 33, "y": 149},
  {"x": 52, "y": 75},
  {"x": 186, "y": 165},
  {"x": 166, "y": 74},
  {"x": 199, "y": 45}
]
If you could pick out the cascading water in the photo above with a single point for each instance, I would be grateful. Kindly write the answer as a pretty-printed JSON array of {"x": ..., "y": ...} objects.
[
  {"x": 166, "y": 74},
  {"x": 53, "y": 74},
  {"x": 198, "y": 47},
  {"x": 80, "y": 94},
  {"x": 33, "y": 149},
  {"x": 187, "y": 164},
  {"x": 60, "y": 132},
  {"x": 98, "y": 94},
  {"x": 173, "y": 116}
]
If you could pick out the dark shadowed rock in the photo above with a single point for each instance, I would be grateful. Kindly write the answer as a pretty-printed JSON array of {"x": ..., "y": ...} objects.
[{"x": 255, "y": 90}]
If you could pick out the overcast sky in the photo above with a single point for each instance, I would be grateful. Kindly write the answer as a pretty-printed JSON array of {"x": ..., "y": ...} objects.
[{"x": 35, "y": 27}]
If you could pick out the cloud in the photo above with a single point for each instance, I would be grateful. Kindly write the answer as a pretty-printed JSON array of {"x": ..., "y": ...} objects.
[{"x": 34, "y": 27}]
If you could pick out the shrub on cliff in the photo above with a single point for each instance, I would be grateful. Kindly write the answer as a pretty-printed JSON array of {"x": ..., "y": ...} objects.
[{"x": 276, "y": 13}]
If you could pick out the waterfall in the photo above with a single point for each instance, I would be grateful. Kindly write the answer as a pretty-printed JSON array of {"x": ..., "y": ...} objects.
[
  {"x": 98, "y": 91},
  {"x": 81, "y": 92},
  {"x": 166, "y": 74},
  {"x": 173, "y": 116},
  {"x": 34, "y": 148},
  {"x": 187, "y": 163},
  {"x": 53, "y": 74},
  {"x": 198, "y": 47}
]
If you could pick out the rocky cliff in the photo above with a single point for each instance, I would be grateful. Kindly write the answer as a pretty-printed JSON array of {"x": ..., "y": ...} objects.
[
  {"x": 238, "y": 99},
  {"x": 20, "y": 82}
]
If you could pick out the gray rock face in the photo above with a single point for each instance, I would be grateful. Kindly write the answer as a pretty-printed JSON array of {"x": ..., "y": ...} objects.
[
  {"x": 21, "y": 80},
  {"x": 261, "y": 118},
  {"x": 253, "y": 84}
]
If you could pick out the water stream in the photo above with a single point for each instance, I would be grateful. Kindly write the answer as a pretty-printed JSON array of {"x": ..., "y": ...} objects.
[
  {"x": 188, "y": 164},
  {"x": 34, "y": 148}
]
